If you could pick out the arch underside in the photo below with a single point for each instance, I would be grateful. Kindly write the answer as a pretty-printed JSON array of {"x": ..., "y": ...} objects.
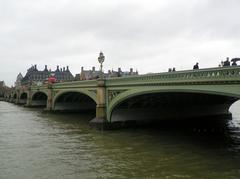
[
  {"x": 74, "y": 101},
  {"x": 23, "y": 98},
  {"x": 39, "y": 99},
  {"x": 14, "y": 96},
  {"x": 171, "y": 105}
]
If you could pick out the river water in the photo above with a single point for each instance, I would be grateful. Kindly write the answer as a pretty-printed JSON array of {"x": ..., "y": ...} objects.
[{"x": 34, "y": 144}]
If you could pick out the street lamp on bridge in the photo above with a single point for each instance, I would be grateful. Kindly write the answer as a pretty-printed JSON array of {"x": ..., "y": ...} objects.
[{"x": 101, "y": 59}]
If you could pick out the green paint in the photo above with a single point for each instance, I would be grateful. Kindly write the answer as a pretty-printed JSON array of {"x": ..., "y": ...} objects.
[{"x": 221, "y": 81}]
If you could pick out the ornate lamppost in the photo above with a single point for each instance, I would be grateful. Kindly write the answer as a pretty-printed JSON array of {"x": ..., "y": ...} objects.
[{"x": 101, "y": 59}]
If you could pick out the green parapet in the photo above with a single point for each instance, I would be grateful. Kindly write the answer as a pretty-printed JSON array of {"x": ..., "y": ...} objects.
[{"x": 109, "y": 93}]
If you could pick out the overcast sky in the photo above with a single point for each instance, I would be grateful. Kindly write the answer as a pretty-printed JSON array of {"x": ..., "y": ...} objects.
[{"x": 148, "y": 35}]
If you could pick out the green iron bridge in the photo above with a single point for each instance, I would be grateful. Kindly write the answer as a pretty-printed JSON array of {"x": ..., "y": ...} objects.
[{"x": 181, "y": 94}]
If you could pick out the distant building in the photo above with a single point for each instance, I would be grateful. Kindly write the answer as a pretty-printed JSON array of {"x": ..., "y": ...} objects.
[
  {"x": 120, "y": 73},
  {"x": 18, "y": 80},
  {"x": 94, "y": 74},
  {"x": 87, "y": 74},
  {"x": 2, "y": 88},
  {"x": 33, "y": 75},
  {"x": 63, "y": 74},
  {"x": 2, "y": 84}
]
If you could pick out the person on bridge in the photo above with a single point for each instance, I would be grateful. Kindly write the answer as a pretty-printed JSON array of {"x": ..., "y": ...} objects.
[
  {"x": 196, "y": 67},
  {"x": 234, "y": 63},
  {"x": 226, "y": 63}
]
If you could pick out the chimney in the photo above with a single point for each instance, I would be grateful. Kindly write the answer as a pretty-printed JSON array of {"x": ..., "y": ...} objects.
[
  {"x": 45, "y": 68},
  {"x": 119, "y": 70},
  {"x": 67, "y": 68},
  {"x": 60, "y": 69},
  {"x": 93, "y": 69},
  {"x": 63, "y": 68},
  {"x": 82, "y": 69},
  {"x": 35, "y": 66},
  {"x": 131, "y": 70},
  {"x": 57, "y": 67}
]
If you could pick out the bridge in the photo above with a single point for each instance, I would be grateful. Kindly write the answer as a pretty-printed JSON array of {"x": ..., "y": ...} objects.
[{"x": 180, "y": 94}]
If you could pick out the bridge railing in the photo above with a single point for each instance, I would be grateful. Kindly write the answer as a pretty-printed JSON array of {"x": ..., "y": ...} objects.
[
  {"x": 36, "y": 87},
  {"x": 228, "y": 74},
  {"x": 73, "y": 84},
  {"x": 85, "y": 83},
  {"x": 200, "y": 75}
]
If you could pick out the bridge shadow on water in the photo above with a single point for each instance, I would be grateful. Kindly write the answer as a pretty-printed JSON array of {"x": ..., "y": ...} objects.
[
  {"x": 222, "y": 132},
  {"x": 214, "y": 129},
  {"x": 212, "y": 134},
  {"x": 210, "y": 143},
  {"x": 218, "y": 132},
  {"x": 197, "y": 146}
]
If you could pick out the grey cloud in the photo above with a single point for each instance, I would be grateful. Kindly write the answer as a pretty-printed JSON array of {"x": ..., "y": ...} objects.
[{"x": 150, "y": 35}]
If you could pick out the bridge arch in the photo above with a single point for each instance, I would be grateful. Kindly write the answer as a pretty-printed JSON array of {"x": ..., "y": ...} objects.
[
  {"x": 74, "y": 100},
  {"x": 23, "y": 95},
  {"x": 138, "y": 94},
  {"x": 39, "y": 92},
  {"x": 14, "y": 96},
  {"x": 39, "y": 98},
  {"x": 23, "y": 98}
]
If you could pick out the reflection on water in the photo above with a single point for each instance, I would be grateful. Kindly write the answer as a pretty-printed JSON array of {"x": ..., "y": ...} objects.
[{"x": 42, "y": 145}]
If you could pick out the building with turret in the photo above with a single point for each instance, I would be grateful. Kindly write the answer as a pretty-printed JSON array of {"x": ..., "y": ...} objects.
[
  {"x": 34, "y": 75},
  {"x": 88, "y": 74},
  {"x": 120, "y": 73},
  {"x": 94, "y": 74},
  {"x": 63, "y": 74},
  {"x": 18, "y": 80}
]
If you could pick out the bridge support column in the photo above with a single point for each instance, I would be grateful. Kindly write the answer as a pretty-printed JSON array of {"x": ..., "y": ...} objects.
[
  {"x": 100, "y": 121},
  {"x": 17, "y": 100},
  {"x": 49, "y": 98},
  {"x": 29, "y": 98},
  {"x": 11, "y": 100}
]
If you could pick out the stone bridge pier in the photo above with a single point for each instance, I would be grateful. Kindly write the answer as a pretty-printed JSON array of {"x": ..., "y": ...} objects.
[{"x": 101, "y": 108}]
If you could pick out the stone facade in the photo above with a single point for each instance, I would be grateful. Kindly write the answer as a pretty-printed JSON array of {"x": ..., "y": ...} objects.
[
  {"x": 2, "y": 84},
  {"x": 94, "y": 74},
  {"x": 3, "y": 88},
  {"x": 63, "y": 74},
  {"x": 89, "y": 74},
  {"x": 18, "y": 80},
  {"x": 120, "y": 73},
  {"x": 33, "y": 75}
]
